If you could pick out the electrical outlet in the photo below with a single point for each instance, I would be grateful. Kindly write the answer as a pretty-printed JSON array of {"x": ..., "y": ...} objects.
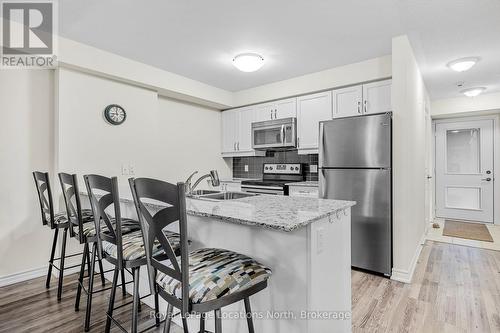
[
  {"x": 131, "y": 169},
  {"x": 313, "y": 168},
  {"x": 320, "y": 240},
  {"x": 125, "y": 169},
  {"x": 246, "y": 167}
]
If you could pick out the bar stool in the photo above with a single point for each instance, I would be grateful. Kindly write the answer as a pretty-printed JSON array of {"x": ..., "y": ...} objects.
[
  {"x": 55, "y": 222},
  {"x": 202, "y": 280},
  {"x": 122, "y": 250},
  {"x": 83, "y": 228}
]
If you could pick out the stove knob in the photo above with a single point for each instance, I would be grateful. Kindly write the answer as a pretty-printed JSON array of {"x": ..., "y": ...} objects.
[
  {"x": 266, "y": 168},
  {"x": 291, "y": 168},
  {"x": 270, "y": 168},
  {"x": 297, "y": 168}
]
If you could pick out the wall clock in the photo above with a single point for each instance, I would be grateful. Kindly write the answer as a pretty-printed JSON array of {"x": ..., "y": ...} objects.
[{"x": 115, "y": 114}]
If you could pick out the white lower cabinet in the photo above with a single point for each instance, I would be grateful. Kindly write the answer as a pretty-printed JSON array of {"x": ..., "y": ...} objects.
[
  {"x": 303, "y": 191},
  {"x": 311, "y": 109}
]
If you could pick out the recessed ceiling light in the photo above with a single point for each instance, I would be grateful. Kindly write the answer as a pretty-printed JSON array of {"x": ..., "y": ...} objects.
[
  {"x": 473, "y": 92},
  {"x": 464, "y": 64},
  {"x": 248, "y": 62}
]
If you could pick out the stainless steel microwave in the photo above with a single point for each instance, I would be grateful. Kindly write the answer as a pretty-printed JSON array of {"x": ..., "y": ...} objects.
[{"x": 275, "y": 134}]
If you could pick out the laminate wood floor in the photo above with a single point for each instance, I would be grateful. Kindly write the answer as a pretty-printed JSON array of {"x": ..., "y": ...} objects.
[{"x": 455, "y": 289}]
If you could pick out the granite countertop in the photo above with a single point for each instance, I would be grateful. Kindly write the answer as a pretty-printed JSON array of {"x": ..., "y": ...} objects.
[
  {"x": 269, "y": 211},
  {"x": 275, "y": 212},
  {"x": 308, "y": 184}
]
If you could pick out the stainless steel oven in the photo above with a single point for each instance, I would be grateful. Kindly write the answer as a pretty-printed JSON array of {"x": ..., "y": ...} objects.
[
  {"x": 275, "y": 134},
  {"x": 274, "y": 179}
]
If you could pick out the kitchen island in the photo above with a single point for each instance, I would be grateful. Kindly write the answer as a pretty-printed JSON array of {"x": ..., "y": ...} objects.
[{"x": 305, "y": 241}]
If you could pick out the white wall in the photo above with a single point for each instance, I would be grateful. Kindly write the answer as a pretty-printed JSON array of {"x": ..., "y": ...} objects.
[
  {"x": 368, "y": 70},
  {"x": 466, "y": 105},
  {"x": 26, "y": 144},
  {"x": 161, "y": 138},
  {"x": 409, "y": 158}
]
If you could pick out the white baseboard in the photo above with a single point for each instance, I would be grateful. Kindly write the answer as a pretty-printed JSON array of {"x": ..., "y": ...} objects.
[
  {"x": 22, "y": 276},
  {"x": 33, "y": 274},
  {"x": 406, "y": 276}
]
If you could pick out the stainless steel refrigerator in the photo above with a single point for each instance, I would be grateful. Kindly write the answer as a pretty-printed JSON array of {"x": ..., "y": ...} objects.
[{"x": 355, "y": 164}]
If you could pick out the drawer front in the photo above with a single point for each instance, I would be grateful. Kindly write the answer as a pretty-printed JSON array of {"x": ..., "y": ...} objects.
[{"x": 303, "y": 191}]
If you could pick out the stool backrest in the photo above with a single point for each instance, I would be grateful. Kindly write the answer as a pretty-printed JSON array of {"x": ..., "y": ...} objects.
[
  {"x": 170, "y": 205},
  {"x": 71, "y": 195},
  {"x": 103, "y": 195},
  {"x": 45, "y": 197}
]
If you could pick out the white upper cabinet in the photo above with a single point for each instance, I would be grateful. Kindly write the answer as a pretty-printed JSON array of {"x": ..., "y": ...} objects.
[
  {"x": 230, "y": 124},
  {"x": 237, "y": 132},
  {"x": 247, "y": 117},
  {"x": 377, "y": 97},
  {"x": 284, "y": 108},
  {"x": 347, "y": 101},
  {"x": 312, "y": 109},
  {"x": 368, "y": 98}
]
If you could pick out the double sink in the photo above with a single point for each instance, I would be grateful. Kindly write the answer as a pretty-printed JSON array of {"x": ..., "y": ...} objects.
[{"x": 213, "y": 195}]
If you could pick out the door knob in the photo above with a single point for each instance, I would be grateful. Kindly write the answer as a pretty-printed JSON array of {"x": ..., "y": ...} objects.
[
  {"x": 487, "y": 179},
  {"x": 488, "y": 172}
]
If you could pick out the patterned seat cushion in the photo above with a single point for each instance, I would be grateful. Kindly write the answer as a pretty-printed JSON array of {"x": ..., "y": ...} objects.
[
  {"x": 63, "y": 216},
  {"x": 59, "y": 218},
  {"x": 133, "y": 245},
  {"x": 215, "y": 273},
  {"x": 128, "y": 225}
]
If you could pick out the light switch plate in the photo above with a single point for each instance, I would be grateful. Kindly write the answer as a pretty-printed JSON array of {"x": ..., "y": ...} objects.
[
  {"x": 313, "y": 168},
  {"x": 246, "y": 167}
]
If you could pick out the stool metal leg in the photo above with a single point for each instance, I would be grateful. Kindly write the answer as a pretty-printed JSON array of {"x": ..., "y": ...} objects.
[
  {"x": 61, "y": 268},
  {"x": 112, "y": 300},
  {"x": 185, "y": 325},
  {"x": 202, "y": 323},
  {"x": 157, "y": 308},
  {"x": 218, "y": 321},
  {"x": 103, "y": 281},
  {"x": 168, "y": 318},
  {"x": 90, "y": 288},
  {"x": 124, "y": 290},
  {"x": 248, "y": 311},
  {"x": 51, "y": 260},
  {"x": 135, "y": 311},
  {"x": 80, "y": 278}
]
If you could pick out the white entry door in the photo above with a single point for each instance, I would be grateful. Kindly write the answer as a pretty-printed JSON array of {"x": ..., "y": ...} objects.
[{"x": 464, "y": 170}]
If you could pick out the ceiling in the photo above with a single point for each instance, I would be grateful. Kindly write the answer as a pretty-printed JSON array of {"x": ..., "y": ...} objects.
[{"x": 198, "y": 39}]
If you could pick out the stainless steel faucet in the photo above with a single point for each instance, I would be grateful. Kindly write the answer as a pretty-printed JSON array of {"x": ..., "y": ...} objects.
[{"x": 214, "y": 176}]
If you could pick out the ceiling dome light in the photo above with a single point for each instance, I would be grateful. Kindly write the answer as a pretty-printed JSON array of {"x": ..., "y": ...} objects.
[
  {"x": 248, "y": 62},
  {"x": 464, "y": 64},
  {"x": 473, "y": 92}
]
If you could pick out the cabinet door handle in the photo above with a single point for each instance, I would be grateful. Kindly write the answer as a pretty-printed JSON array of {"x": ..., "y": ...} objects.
[
  {"x": 366, "y": 106},
  {"x": 298, "y": 142},
  {"x": 359, "y": 107},
  {"x": 275, "y": 117},
  {"x": 234, "y": 146},
  {"x": 238, "y": 146},
  {"x": 271, "y": 114}
]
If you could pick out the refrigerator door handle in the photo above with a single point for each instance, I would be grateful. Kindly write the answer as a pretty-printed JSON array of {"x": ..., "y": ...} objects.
[
  {"x": 321, "y": 145},
  {"x": 323, "y": 184}
]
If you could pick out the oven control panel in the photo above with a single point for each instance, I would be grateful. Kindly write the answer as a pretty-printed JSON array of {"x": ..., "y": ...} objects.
[{"x": 285, "y": 168}]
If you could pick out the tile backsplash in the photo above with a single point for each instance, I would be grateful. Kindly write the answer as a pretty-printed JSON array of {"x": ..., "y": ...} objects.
[{"x": 255, "y": 163}]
